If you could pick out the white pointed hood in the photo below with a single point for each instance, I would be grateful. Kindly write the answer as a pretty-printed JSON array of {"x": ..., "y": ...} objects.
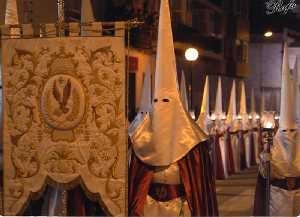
[
  {"x": 243, "y": 104},
  {"x": 218, "y": 105},
  {"x": 168, "y": 133},
  {"x": 204, "y": 119},
  {"x": 287, "y": 118},
  {"x": 87, "y": 14},
  {"x": 231, "y": 119},
  {"x": 146, "y": 100},
  {"x": 183, "y": 92},
  {"x": 286, "y": 149},
  {"x": 145, "y": 104},
  {"x": 243, "y": 108}
]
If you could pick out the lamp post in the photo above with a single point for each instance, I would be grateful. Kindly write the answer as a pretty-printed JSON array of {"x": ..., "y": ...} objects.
[
  {"x": 268, "y": 124},
  {"x": 191, "y": 55}
]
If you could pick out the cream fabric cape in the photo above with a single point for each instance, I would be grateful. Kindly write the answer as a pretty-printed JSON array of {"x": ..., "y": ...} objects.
[
  {"x": 286, "y": 150},
  {"x": 167, "y": 133}
]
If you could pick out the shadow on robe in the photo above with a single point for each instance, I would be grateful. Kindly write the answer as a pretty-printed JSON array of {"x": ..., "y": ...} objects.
[
  {"x": 78, "y": 204},
  {"x": 196, "y": 176},
  {"x": 230, "y": 163},
  {"x": 252, "y": 149},
  {"x": 260, "y": 202},
  {"x": 217, "y": 158},
  {"x": 241, "y": 138}
]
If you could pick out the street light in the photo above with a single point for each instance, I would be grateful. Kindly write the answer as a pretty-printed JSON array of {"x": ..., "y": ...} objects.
[
  {"x": 268, "y": 124},
  {"x": 191, "y": 55},
  {"x": 268, "y": 34}
]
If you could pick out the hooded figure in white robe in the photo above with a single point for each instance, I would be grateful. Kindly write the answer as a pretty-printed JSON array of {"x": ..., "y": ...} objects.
[
  {"x": 255, "y": 127},
  {"x": 218, "y": 133},
  {"x": 170, "y": 170},
  {"x": 244, "y": 137},
  {"x": 285, "y": 153},
  {"x": 284, "y": 156},
  {"x": 233, "y": 128},
  {"x": 145, "y": 106}
]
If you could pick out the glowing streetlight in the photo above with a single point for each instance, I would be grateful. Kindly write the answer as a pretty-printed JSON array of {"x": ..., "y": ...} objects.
[
  {"x": 191, "y": 54},
  {"x": 268, "y": 34}
]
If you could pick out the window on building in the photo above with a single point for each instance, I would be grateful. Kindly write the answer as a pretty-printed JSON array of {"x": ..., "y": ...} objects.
[
  {"x": 242, "y": 51},
  {"x": 238, "y": 6},
  {"x": 179, "y": 10}
]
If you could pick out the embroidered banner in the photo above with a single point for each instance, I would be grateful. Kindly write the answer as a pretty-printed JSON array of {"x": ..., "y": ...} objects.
[{"x": 64, "y": 118}]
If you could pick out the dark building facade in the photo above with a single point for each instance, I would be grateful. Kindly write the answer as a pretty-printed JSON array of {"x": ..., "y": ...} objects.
[{"x": 218, "y": 29}]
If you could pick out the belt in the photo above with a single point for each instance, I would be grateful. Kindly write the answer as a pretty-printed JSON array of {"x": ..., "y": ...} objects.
[
  {"x": 289, "y": 184},
  {"x": 233, "y": 133},
  {"x": 164, "y": 192},
  {"x": 244, "y": 131}
]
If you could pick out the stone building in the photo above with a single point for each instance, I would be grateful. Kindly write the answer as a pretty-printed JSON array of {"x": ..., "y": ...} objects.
[{"x": 218, "y": 29}]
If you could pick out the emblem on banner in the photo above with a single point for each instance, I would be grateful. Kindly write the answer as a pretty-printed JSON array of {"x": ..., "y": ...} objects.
[{"x": 64, "y": 109}]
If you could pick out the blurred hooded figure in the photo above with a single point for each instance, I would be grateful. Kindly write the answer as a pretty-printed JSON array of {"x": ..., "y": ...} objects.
[
  {"x": 204, "y": 120},
  {"x": 170, "y": 171},
  {"x": 255, "y": 131},
  {"x": 244, "y": 135},
  {"x": 218, "y": 134},
  {"x": 285, "y": 153},
  {"x": 232, "y": 133},
  {"x": 145, "y": 106}
]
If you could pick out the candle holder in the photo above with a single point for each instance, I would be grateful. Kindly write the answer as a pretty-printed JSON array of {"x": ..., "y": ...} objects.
[{"x": 268, "y": 124}]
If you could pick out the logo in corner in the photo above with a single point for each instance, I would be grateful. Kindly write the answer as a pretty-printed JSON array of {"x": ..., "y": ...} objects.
[{"x": 279, "y": 6}]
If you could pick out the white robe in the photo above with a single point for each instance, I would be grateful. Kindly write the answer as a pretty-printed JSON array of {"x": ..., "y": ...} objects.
[
  {"x": 256, "y": 146},
  {"x": 284, "y": 202},
  {"x": 236, "y": 152},
  {"x": 220, "y": 129},
  {"x": 285, "y": 162},
  {"x": 224, "y": 154},
  {"x": 176, "y": 207},
  {"x": 248, "y": 149}
]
